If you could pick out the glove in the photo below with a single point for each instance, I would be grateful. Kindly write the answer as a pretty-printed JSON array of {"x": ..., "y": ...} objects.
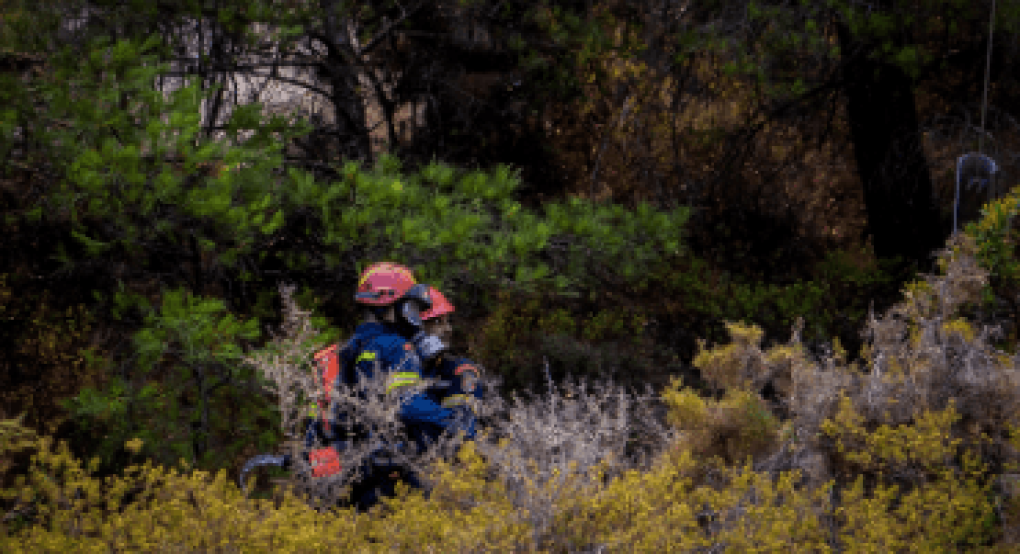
[
  {"x": 429, "y": 346},
  {"x": 461, "y": 420}
]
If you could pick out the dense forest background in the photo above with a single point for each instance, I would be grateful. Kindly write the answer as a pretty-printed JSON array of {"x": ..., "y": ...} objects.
[{"x": 595, "y": 184}]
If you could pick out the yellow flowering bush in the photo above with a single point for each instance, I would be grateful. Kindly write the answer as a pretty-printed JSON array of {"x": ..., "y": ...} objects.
[
  {"x": 669, "y": 507},
  {"x": 735, "y": 427},
  {"x": 167, "y": 510}
]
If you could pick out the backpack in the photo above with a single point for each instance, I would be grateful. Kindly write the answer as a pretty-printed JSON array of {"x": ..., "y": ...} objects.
[
  {"x": 331, "y": 362},
  {"x": 327, "y": 362}
]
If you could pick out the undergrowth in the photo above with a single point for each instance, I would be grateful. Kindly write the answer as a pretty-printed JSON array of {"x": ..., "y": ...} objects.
[{"x": 913, "y": 449}]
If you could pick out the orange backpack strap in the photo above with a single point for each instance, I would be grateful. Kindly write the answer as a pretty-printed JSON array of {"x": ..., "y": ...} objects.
[{"x": 327, "y": 361}]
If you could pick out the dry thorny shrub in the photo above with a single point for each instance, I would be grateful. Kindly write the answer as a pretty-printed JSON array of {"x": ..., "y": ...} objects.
[
  {"x": 920, "y": 356},
  {"x": 925, "y": 368},
  {"x": 574, "y": 430}
]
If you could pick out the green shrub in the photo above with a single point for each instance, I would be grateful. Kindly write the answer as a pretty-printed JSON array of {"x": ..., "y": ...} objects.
[
  {"x": 833, "y": 303},
  {"x": 522, "y": 332},
  {"x": 187, "y": 374},
  {"x": 995, "y": 235}
]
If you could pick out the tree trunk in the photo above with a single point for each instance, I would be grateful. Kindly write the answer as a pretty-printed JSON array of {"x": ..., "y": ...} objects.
[
  {"x": 349, "y": 109},
  {"x": 903, "y": 219}
]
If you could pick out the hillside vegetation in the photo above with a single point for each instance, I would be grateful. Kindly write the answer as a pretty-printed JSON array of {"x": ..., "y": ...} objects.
[
  {"x": 912, "y": 450},
  {"x": 701, "y": 249}
]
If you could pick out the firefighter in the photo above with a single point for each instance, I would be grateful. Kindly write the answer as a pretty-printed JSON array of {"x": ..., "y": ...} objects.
[
  {"x": 459, "y": 386},
  {"x": 390, "y": 339}
]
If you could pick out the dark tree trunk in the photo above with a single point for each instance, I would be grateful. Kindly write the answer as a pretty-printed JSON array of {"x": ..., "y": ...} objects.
[
  {"x": 340, "y": 69},
  {"x": 903, "y": 219}
]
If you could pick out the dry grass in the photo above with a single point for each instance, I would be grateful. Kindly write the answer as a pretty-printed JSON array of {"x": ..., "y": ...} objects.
[
  {"x": 573, "y": 430},
  {"x": 931, "y": 382}
]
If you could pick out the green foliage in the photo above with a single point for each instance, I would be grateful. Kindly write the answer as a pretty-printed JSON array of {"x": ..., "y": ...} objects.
[
  {"x": 834, "y": 302},
  {"x": 458, "y": 222},
  {"x": 520, "y": 332},
  {"x": 908, "y": 35},
  {"x": 138, "y": 161},
  {"x": 612, "y": 323},
  {"x": 111, "y": 404},
  {"x": 187, "y": 388},
  {"x": 141, "y": 186},
  {"x": 504, "y": 337},
  {"x": 995, "y": 236},
  {"x": 307, "y": 299},
  {"x": 198, "y": 328},
  {"x": 138, "y": 187}
]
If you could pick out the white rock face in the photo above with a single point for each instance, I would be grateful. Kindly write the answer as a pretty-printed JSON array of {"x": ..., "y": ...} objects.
[
  {"x": 289, "y": 90},
  {"x": 288, "y": 87}
]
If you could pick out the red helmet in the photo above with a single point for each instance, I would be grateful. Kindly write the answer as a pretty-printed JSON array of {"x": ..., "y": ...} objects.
[
  {"x": 384, "y": 283},
  {"x": 440, "y": 305}
]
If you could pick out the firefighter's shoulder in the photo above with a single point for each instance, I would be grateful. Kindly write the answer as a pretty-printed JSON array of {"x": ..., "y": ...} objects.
[{"x": 391, "y": 348}]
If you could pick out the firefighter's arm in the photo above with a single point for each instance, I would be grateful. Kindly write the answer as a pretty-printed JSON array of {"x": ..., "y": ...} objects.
[
  {"x": 419, "y": 408},
  {"x": 465, "y": 390},
  {"x": 416, "y": 407},
  {"x": 465, "y": 384}
]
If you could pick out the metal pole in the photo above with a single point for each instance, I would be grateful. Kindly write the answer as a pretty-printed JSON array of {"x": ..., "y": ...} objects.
[{"x": 988, "y": 69}]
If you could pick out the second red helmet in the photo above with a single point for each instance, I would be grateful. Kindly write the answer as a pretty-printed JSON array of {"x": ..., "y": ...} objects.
[{"x": 440, "y": 305}]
